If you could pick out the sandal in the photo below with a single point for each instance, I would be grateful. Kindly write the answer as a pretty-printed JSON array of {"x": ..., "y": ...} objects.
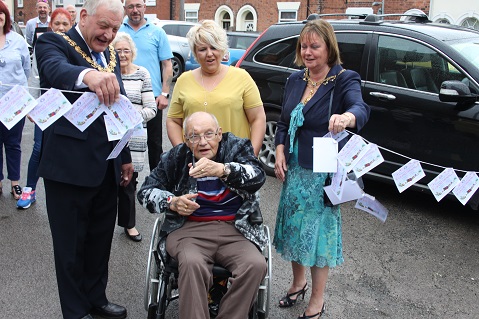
[
  {"x": 319, "y": 314},
  {"x": 16, "y": 191},
  {"x": 287, "y": 302}
]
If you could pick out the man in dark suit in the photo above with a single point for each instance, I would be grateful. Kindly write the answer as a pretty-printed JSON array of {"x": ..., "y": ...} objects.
[{"x": 80, "y": 183}]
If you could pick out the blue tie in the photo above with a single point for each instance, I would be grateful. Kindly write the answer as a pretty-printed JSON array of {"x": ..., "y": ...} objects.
[{"x": 97, "y": 57}]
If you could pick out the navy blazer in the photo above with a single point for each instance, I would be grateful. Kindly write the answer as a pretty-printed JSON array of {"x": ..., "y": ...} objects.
[
  {"x": 69, "y": 155},
  {"x": 346, "y": 98}
]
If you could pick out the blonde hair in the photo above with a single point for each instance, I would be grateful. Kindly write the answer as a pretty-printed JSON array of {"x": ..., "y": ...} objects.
[
  {"x": 207, "y": 32},
  {"x": 324, "y": 30},
  {"x": 123, "y": 36}
]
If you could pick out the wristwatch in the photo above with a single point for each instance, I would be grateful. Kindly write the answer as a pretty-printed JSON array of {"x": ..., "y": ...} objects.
[
  {"x": 226, "y": 171},
  {"x": 169, "y": 199},
  {"x": 167, "y": 95}
]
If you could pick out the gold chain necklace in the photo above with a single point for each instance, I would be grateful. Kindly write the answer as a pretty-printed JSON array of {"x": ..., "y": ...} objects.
[
  {"x": 314, "y": 86},
  {"x": 206, "y": 92},
  {"x": 109, "y": 68}
]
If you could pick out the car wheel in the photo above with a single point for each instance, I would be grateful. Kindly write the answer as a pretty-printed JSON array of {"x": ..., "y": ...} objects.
[
  {"x": 177, "y": 67},
  {"x": 267, "y": 155}
]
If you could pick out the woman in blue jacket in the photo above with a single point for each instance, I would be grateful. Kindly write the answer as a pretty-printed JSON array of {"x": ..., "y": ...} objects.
[{"x": 308, "y": 232}]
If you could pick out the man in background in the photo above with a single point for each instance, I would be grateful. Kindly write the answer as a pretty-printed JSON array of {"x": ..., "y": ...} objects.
[
  {"x": 153, "y": 49},
  {"x": 38, "y": 25},
  {"x": 73, "y": 12}
]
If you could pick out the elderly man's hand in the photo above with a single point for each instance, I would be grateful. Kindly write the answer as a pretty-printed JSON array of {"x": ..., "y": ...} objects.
[
  {"x": 126, "y": 174},
  {"x": 206, "y": 167},
  {"x": 105, "y": 85}
]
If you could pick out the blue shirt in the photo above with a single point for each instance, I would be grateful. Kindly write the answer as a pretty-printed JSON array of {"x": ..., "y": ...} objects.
[
  {"x": 152, "y": 47},
  {"x": 32, "y": 24},
  {"x": 14, "y": 62}
]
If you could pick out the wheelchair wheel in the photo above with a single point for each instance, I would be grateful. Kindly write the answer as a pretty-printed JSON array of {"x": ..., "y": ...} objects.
[
  {"x": 264, "y": 292},
  {"x": 153, "y": 270}
]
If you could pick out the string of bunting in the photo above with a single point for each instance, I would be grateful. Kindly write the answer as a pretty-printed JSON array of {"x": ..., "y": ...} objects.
[{"x": 17, "y": 103}]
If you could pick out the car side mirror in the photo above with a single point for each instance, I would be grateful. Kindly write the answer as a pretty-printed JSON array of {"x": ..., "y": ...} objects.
[{"x": 456, "y": 91}]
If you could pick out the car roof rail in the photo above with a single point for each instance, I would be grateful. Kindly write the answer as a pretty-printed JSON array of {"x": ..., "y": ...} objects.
[
  {"x": 413, "y": 17},
  {"x": 315, "y": 16}
]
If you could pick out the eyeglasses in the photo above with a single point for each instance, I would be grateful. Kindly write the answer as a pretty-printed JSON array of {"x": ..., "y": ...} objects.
[
  {"x": 125, "y": 52},
  {"x": 138, "y": 7},
  {"x": 196, "y": 138}
]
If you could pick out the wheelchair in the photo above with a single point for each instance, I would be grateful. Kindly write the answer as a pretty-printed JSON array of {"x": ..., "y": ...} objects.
[{"x": 162, "y": 282}]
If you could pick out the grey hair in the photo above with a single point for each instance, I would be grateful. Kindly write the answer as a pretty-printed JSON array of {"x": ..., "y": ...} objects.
[
  {"x": 123, "y": 36},
  {"x": 208, "y": 32},
  {"x": 113, "y": 5},
  {"x": 185, "y": 122}
]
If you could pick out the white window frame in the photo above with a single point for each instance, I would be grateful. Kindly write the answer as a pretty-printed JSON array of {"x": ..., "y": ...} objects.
[
  {"x": 20, "y": 3},
  {"x": 79, "y": 2},
  {"x": 192, "y": 8},
  {"x": 288, "y": 7},
  {"x": 60, "y": 3}
]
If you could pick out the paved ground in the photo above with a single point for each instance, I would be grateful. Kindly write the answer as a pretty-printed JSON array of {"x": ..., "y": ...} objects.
[{"x": 423, "y": 262}]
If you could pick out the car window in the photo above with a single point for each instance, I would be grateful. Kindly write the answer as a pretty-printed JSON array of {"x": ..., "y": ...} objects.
[
  {"x": 281, "y": 53},
  {"x": 407, "y": 63},
  {"x": 171, "y": 29},
  {"x": 183, "y": 30},
  {"x": 351, "y": 48},
  {"x": 240, "y": 42}
]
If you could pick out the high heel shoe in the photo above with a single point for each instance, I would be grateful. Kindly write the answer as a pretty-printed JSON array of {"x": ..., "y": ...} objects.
[
  {"x": 287, "y": 302},
  {"x": 319, "y": 314}
]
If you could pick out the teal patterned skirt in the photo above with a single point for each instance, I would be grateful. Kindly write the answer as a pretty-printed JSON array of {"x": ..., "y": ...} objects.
[{"x": 306, "y": 231}]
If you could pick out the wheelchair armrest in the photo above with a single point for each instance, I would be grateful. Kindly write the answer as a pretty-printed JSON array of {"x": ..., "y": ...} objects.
[{"x": 255, "y": 218}]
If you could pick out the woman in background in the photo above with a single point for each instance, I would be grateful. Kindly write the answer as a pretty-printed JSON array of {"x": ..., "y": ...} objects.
[
  {"x": 14, "y": 70},
  {"x": 60, "y": 21},
  {"x": 137, "y": 83}
]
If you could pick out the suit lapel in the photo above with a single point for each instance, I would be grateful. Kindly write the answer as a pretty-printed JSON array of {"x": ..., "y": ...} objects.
[{"x": 75, "y": 36}]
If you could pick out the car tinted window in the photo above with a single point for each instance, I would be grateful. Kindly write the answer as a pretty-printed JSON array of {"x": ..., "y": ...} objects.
[
  {"x": 170, "y": 29},
  {"x": 351, "y": 48},
  {"x": 183, "y": 30},
  {"x": 240, "y": 42},
  {"x": 407, "y": 63},
  {"x": 281, "y": 53}
]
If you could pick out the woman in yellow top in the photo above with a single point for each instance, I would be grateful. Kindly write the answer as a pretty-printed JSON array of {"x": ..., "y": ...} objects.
[{"x": 225, "y": 91}]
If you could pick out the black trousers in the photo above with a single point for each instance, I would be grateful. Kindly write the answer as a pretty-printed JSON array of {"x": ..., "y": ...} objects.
[
  {"x": 126, "y": 203},
  {"x": 82, "y": 220},
  {"x": 154, "y": 128}
]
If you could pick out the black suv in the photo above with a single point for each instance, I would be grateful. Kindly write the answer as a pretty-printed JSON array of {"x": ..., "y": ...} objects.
[{"x": 403, "y": 65}]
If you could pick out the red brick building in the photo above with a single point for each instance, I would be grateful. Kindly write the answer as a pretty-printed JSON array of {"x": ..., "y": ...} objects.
[{"x": 253, "y": 15}]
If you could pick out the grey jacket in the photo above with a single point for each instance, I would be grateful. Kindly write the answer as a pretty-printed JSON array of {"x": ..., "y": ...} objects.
[{"x": 171, "y": 177}]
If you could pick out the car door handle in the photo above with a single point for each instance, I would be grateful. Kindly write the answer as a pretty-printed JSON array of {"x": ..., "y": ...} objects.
[{"x": 383, "y": 95}]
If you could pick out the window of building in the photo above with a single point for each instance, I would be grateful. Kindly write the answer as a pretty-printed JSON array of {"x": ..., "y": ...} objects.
[
  {"x": 443, "y": 20},
  {"x": 226, "y": 21},
  {"x": 246, "y": 19},
  {"x": 472, "y": 23},
  {"x": 60, "y": 3},
  {"x": 20, "y": 3},
  {"x": 79, "y": 3},
  {"x": 288, "y": 11},
  {"x": 191, "y": 12}
]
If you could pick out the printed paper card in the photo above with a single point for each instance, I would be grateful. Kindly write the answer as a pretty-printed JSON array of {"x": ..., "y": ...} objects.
[
  {"x": 467, "y": 187},
  {"x": 15, "y": 105},
  {"x": 124, "y": 114},
  {"x": 51, "y": 106},
  {"x": 337, "y": 182},
  {"x": 85, "y": 111},
  {"x": 113, "y": 132},
  {"x": 408, "y": 175},
  {"x": 337, "y": 137},
  {"x": 370, "y": 205},
  {"x": 351, "y": 191},
  {"x": 352, "y": 152},
  {"x": 121, "y": 144},
  {"x": 139, "y": 131},
  {"x": 370, "y": 160},
  {"x": 443, "y": 183},
  {"x": 325, "y": 152}
]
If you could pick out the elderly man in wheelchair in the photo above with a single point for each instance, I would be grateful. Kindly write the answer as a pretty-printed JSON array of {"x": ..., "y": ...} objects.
[{"x": 207, "y": 188}]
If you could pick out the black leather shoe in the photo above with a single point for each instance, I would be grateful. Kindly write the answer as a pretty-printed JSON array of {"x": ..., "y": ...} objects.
[
  {"x": 136, "y": 238},
  {"x": 110, "y": 311}
]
